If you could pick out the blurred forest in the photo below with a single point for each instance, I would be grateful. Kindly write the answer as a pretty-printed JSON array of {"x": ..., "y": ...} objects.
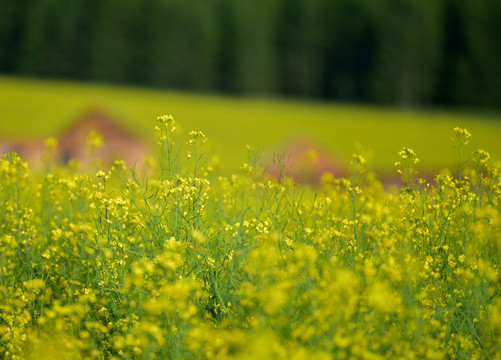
[{"x": 403, "y": 52}]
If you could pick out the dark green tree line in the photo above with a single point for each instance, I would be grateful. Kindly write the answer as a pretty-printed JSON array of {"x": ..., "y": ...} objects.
[{"x": 405, "y": 52}]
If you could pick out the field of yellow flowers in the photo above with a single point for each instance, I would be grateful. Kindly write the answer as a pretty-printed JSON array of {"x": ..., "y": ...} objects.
[{"x": 175, "y": 262}]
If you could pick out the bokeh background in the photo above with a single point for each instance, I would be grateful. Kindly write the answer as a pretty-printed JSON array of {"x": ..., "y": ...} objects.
[{"x": 381, "y": 73}]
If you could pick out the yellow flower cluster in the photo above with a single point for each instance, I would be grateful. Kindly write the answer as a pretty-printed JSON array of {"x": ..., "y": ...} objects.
[{"x": 186, "y": 264}]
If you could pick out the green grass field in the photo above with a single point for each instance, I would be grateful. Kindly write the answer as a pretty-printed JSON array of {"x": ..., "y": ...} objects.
[{"x": 41, "y": 108}]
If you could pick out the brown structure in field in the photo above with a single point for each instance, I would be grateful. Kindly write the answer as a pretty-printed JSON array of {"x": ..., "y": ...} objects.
[
  {"x": 30, "y": 150},
  {"x": 305, "y": 162},
  {"x": 119, "y": 143}
]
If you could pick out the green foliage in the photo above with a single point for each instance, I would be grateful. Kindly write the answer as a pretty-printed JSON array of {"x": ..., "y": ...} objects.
[
  {"x": 177, "y": 261},
  {"x": 410, "y": 40},
  {"x": 404, "y": 52},
  {"x": 478, "y": 67}
]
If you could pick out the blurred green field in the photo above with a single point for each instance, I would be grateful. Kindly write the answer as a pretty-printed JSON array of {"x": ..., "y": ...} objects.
[{"x": 36, "y": 108}]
